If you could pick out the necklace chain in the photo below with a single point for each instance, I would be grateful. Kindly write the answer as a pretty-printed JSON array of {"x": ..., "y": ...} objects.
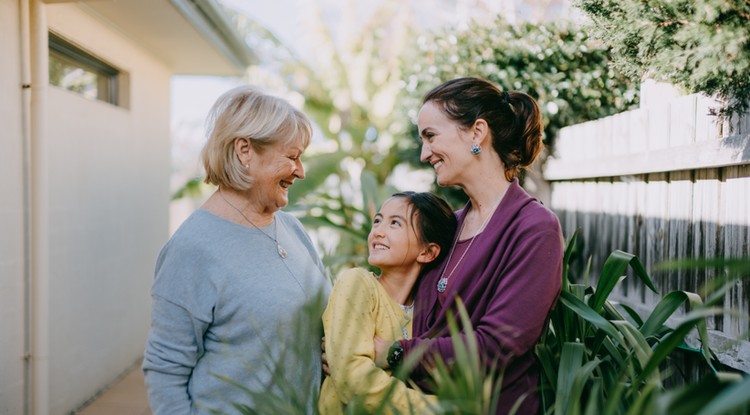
[
  {"x": 282, "y": 252},
  {"x": 442, "y": 283}
]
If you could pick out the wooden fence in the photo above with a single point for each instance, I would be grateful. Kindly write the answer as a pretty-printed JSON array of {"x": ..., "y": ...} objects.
[{"x": 662, "y": 182}]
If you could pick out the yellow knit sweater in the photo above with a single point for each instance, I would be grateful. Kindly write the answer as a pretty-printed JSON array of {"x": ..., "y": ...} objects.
[{"x": 358, "y": 309}]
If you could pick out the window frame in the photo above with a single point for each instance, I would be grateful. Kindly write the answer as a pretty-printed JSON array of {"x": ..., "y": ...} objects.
[{"x": 108, "y": 77}]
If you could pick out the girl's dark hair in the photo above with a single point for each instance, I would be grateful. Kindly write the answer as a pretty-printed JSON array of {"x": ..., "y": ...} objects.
[
  {"x": 513, "y": 117},
  {"x": 433, "y": 221}
]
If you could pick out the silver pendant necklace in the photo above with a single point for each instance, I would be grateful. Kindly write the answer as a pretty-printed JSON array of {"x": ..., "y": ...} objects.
[
  {"x": 280, "y": 249},
  {"x": 442, "y": 283}
]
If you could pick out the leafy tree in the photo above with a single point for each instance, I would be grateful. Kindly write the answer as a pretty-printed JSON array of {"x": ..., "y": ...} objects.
[{"x": 699, "y": 45}]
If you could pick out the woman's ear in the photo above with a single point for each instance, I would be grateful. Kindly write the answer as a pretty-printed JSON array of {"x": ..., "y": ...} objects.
[
  {"x": 481, "y": 131},
  {"x": 244, "y": 150},
  {"x": 429, "y": 253}
]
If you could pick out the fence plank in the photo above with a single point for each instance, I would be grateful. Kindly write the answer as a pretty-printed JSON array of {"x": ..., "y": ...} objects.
[
  {"x": 729, "y": 151},
  {"x": 682, "y": 121},
  {"x": 707, "y": 126},
  {"x": 658, "y": 127},
  {"x": 637, "y": 132},
  {"x": 735, "y": 220}
]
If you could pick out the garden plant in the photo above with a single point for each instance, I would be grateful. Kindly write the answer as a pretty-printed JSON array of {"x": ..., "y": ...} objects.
[{"x": 597, "y": 356}]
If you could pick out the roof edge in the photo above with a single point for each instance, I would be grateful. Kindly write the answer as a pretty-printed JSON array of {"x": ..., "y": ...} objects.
[{"x": 213, "y": 23}]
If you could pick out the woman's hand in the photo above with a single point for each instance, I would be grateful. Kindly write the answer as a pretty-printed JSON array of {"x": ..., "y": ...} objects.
[
  {"x": 381, "y": 352},
  {"x": 323, "y": 358}
]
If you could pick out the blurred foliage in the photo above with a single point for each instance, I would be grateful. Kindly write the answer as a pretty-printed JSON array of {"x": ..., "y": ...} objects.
[
  {"x": 363, "y": 93},
  {"x": 699, "y": 45},
  {"x": 349, "y": 90},
  {"x": 193, "y": 189}
]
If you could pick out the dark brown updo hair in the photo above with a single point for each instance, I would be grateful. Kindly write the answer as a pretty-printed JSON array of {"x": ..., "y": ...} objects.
[
  {"x": 433, "y": 221},
  {"x": 513, "y": 117}
]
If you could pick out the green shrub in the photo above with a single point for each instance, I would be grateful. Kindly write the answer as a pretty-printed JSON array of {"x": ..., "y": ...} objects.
[
  {"x": 597, "y": 360},
  {"x": 700, "y": 45}
]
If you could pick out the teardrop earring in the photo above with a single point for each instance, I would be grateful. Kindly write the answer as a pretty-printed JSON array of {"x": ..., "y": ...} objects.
[{"x": 476, "y": 149}]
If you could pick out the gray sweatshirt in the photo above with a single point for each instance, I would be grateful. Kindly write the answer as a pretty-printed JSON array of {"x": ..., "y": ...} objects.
[{"x": 228, "y": 312}]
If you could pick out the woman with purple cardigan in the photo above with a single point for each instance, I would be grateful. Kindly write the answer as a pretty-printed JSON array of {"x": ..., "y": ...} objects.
[{"x": 506, "y": 261}]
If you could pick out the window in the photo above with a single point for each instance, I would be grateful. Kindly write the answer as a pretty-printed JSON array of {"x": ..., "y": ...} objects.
[{"x": 76, "y": 70}]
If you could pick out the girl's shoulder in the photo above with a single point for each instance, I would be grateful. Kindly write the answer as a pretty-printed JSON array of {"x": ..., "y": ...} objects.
[{"x": 357, "y": 275}]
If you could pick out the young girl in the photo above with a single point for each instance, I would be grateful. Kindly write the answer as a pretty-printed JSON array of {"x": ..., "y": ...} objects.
[{"x": 411, "y": 232}]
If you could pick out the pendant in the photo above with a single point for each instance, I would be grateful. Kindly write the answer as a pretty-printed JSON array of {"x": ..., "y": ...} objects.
[
  {"x": 442, "y": 285},
  {"x": 282, "y": 251}
]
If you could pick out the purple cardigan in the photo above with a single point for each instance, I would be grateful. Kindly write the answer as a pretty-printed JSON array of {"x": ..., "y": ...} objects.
[{"x": 509, "y": 282}]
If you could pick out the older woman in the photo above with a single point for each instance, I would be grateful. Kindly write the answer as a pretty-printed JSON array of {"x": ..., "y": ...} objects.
[
  {"x": 239, "y": 284},
  {"x": 506, "y": 261}
]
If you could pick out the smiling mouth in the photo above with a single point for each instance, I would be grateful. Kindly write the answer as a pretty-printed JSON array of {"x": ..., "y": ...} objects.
[
  {"x": 285, "y": 184},
  {"x": 379, "y": 247},
  {"x": 438, "y": 164}
]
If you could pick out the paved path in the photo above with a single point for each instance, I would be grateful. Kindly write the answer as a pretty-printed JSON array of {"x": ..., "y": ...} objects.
[{"x": 126, "y": 397}]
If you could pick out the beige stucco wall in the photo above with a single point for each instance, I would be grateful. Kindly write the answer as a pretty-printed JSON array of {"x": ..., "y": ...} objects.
[
  {"x": 109, "y": 196},
  {"x": 108, "y": 193},
  {"x": 11, "y": 214}
]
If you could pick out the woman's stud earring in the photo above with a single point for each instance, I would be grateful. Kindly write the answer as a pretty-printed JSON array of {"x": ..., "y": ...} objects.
[{"x": 476, "y": 149}]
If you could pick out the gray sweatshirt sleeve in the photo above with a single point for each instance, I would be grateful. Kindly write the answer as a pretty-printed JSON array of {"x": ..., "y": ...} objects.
[{"x": 172, "y": 349}]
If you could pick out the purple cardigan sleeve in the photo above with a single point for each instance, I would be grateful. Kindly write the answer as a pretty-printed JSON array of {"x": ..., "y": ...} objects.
[{"x": 508, "y": 305}]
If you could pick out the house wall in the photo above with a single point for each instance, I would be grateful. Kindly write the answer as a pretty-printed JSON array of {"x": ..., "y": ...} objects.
[
  {"x": 108, "y": 216},
  {"x": 11, "y": 215}
]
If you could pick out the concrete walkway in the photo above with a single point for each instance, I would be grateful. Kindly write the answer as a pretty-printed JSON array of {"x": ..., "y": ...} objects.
[{"x": 126, "y": 397}]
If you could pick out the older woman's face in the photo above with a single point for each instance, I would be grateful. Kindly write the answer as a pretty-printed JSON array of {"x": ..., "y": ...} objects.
[
  {"x": 444, "y": 144},
  {"x": 274, "y": 171}
]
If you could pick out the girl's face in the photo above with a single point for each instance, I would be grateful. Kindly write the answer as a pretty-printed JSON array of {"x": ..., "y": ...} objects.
[
  {"x": 393, "y": 241},
  {"x": 445, "y": 145}
]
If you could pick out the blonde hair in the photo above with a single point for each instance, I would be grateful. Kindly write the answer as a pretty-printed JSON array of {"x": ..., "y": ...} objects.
[{"x": 245, "y": 112}]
